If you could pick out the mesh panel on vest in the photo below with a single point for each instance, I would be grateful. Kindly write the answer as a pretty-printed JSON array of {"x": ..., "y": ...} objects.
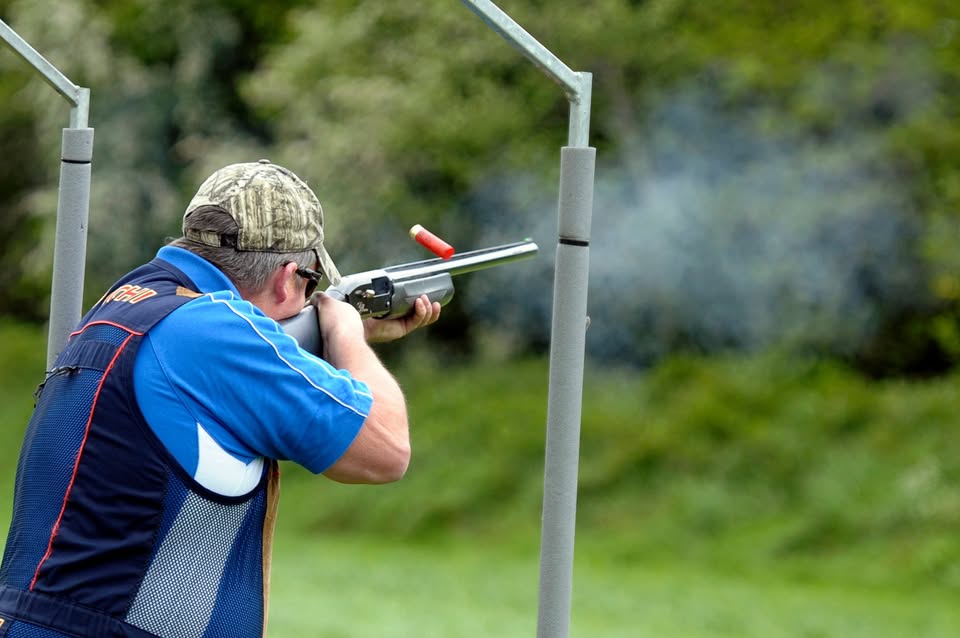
[
  {"x": 180, "y": 591},
  {"x": 53, "y": 438},
  {"x": 239, "y": 609},
  {"x": 23, "y": 630},
  {"x": 102, "y": 332}
]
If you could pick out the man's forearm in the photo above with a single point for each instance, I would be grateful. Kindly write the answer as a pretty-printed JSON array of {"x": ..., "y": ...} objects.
[{"x": 381, "y": 451}]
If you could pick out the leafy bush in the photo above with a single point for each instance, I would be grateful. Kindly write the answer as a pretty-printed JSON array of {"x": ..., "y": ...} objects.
[
  {"x": 743, "y": 462},
  {"x": 766, "y": 176}
]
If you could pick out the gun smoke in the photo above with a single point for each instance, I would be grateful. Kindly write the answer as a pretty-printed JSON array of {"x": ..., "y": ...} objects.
[{"x": 713, "y": 234}]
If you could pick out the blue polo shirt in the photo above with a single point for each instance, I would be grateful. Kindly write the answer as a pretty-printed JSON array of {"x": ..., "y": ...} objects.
[{"x": 223, "y": 388}]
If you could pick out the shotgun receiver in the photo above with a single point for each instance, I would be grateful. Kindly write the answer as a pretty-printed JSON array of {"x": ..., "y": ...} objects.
[{"x": 387, "y": 293}]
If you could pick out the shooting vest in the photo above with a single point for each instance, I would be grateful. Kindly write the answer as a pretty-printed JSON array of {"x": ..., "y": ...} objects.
[{"x": 110, "y": 536}]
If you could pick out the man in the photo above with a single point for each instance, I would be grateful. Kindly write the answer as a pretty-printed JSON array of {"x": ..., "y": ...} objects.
[{"x": 147, "y": 483}]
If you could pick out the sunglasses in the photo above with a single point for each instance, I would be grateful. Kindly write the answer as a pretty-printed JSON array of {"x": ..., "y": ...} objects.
[{"x": 313, "y": 279}]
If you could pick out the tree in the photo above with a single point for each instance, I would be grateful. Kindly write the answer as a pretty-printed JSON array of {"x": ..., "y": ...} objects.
[
  {"x": 162, "y": 81},
  {"x": 767, "y": 174}
]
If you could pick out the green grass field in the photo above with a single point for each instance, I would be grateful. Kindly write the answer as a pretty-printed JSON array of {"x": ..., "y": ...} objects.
[
  {"x": 761, "y": 496},
  {"x": 342, "y": 586}
]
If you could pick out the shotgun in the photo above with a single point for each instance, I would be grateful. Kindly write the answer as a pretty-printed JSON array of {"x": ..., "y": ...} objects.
[{"x": 387, "y": 293}]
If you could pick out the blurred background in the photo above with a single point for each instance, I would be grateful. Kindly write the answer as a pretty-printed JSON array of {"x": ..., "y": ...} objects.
[{"x": 770, "y": 429}]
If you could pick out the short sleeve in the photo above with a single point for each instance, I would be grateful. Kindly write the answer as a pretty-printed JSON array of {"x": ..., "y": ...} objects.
[{"x": 253, "y": 389}]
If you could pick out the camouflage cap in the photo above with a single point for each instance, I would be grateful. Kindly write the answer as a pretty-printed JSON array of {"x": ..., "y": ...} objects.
[{"x": 275, "y": 210}]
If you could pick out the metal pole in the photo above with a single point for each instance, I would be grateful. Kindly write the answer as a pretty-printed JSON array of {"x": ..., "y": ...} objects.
[
  {"x": 513, "y": 33},
  {"x": 73, "y": 205},
  {"x": 566, "y": 389},
  {"x": 568, "y": 329},
  {"x": 70, "y": 246}
]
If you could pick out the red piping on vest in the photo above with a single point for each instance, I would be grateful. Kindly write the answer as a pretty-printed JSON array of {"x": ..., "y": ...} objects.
[{"x": 76, "y": 463}]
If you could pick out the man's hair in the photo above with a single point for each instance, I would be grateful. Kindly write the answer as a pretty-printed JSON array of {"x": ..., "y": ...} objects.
[{"x": 248, "y": 270}]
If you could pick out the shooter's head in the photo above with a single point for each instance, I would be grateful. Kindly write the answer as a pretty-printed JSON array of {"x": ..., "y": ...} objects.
[{"x": 268, "y": 209}]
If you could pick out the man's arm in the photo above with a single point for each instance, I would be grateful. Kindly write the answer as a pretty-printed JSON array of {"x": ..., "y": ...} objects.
[{"x": 381, "y": 451}]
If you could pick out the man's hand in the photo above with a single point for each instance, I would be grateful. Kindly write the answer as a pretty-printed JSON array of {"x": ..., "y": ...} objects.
[
  {"x": 383, "y": 330},
  {"x": 340, "y": 327}
]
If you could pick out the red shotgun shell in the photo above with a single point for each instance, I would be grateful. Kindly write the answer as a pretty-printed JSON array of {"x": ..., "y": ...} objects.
[{"x": 431, "y": 242}]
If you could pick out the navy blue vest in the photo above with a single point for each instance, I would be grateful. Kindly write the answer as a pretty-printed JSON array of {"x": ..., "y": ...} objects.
[{"x": 110, "y": 537}]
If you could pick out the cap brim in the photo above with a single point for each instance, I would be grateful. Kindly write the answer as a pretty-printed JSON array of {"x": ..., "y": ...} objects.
[{"x": 327, "y": 266}]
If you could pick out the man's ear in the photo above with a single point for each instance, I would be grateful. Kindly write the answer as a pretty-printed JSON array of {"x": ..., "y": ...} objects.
[{"x": 283, "y": 283}]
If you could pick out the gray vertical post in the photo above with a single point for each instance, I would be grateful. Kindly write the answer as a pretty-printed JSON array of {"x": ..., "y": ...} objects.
[
  {"x": 73, "y": 205},
  {"x": 568, "y": 329},
  {"x": 70, "y": 246},
  {"x": 575, "y": 211}
]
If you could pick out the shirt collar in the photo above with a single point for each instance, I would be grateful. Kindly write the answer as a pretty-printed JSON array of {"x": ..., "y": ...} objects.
[{"x": 205, "y": 275}]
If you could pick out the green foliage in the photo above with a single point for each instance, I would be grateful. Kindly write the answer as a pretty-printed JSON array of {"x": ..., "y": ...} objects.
[
  {"x": 23, "y": 352},
  {"x": 779, "y": 175},
  {"x": 840, "y": 71},
  {"x": 396, "y": 110},
  {"x": 742, "y": 463},
  {"x": 24, "y": 276},
  {"x": 163, "y": 85}
]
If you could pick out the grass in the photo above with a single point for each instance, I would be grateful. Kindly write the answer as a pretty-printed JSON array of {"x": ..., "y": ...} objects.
[
  {"x": 22, "y": 361},
  {"x": 343, "y": 586},
  {"x": 738, "y": 496},
  {"x": 368, "y": 586}
]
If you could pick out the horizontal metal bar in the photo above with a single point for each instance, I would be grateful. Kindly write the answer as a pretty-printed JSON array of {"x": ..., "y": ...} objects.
[
  {"x": 78, "y": 97},
  {"x": 526, "y": 43}
]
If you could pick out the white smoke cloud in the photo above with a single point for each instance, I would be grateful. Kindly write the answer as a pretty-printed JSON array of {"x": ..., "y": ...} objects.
[{"x": 716, "y": 233}]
